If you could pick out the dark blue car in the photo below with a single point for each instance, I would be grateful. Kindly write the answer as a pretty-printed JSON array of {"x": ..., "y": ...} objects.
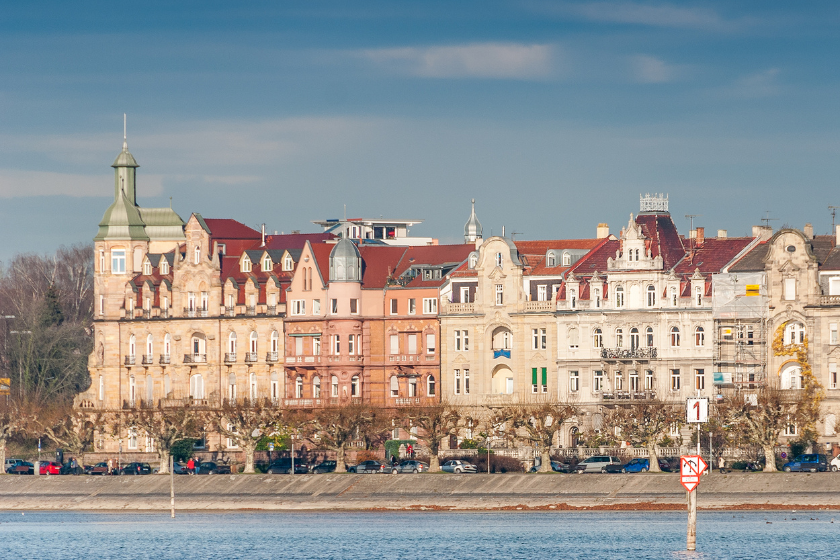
[
  {"x": 809, "y": 462},
  {"x": 639, "y": 464}
]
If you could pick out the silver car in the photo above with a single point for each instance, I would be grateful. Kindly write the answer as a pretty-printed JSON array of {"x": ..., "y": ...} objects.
[
  {"x": 596, "y": 463},
  {"x": 458, "y": 467}
]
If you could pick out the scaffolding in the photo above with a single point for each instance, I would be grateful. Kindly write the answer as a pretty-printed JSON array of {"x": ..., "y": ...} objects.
[{"x": 740, "y": 310}]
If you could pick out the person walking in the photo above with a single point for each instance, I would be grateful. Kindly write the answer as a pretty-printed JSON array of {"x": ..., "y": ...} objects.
[
  {"x": 191, "y": 466},
  {"x": 110, "y": 466}
]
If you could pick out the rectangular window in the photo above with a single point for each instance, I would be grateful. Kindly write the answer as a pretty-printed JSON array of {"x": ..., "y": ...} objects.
[
  {"x": 675, "y": 380},
  {"x": 412, "y": 387},
  {"x": 619, "y": 381},
  {"x": 101, "y": 261},
  {"x": 412, "y": 306},
  {"x": 648, "y": 380},
  {"x": 466, "y": 382},
  {"x": 412, "y": 344},
  {"x": 394, "y": 307},
  {"x": 465, "y": 338},
  {"x": 545, "y": 380},
  {"x": 457, "y": 381},
  {"x": 354, "y": 306},
  {"x": 102, "y": 305},
  {"x": 316, "y": 345},
  {"x": 334, "y": 306},
  {"x": 534, "y": 387},
  {"x": 465, "y": 294},
  {"x": 597, "y": 381},
  {"x": 298, "y": 346},
  {"x": 118, "y": 261},
  {"x": 430, "y": 343},
  {"x": 832, "y": 333},
  {"x": 574, "y": 381},
  {"x": 337, "y": 344},
  {"x": 542, "y": 294},
  {"x": 429, "y": 306},
  {"x": 790, "y": 289},
  {"x": 351, "y": 344},
  {"x": 832, "y": 375},
  {"x": 298, "y": 307},
  {"x": 395, "y": 344},
  {"x": 699, "y": 379},
  {"x": 634, "y": 380},
  {"x": 500, "y": 294},
  {"x": 834, "y": 286},
  {"x": 535, "y": 334},
  {"x": 316, "y": 306}
]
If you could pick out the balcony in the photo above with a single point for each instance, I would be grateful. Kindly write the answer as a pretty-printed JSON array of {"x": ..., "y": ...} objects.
[
  {"x": 195, "y": 358},
  {"x": 628, "y": 395},
  {"x": 190, "y": 312},
  {"x": 147, "y": 314},
  {"x": 251, "y": 310},
  {"x": 250, "y": 357},
  {"x": 271, "y": 310},
  {"x": 644, "y": 353},
  {"x": 130, "y": 360},
  {"x": 230, "y": 357},
  {"x": 148, "y": 359},
  {"x": 164, "y": 358},
  {"x": 502, "y": 353},
  {"x": 407, "y": 401},
  {"x": 539, "y": 306},
  {"x": 458, "y": 309},
  {"x": 272, "y": 357},
  {"x": 229, "y": 311},
  {"x": 164, "y": 313},
  {"x": 301, "y": 403},
  {"x": 830, "y": 301}
]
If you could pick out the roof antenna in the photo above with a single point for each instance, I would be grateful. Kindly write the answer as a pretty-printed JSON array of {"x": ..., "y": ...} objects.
[
  {"x": 833, "y": 212},
  {"x": 170, "y": 203},
  {"x": 125, "y": 136}
]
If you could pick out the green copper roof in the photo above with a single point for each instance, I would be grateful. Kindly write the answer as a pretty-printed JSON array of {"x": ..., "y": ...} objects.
[
  {"x": 125, "y": 159},
  {"x": 122, "y": 220},
  {"x": 162, "y": 223}
]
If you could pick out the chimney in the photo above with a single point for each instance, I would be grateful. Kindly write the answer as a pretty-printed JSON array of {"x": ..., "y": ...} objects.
[
  {"x": 762, "y": 232},
  {"x": 503, "y": 231},
  {"x": 808, "y": 231},
  {"x": 692, "y": 234},
  {"x": 722, "y": 234},
  {"x": 837, "y": 235},
  {"x": 700, "y": 235},
  {"x": 602, "y": 231},
  {"x": 262, "y": 236}
]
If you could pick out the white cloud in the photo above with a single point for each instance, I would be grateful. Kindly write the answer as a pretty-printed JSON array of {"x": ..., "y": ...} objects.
[
  {"x": 651, "y": 70},
  {"x": 481, "y": 60},
  {"x": 657, "y": 15},
  {"x": 20, "y": 183}
]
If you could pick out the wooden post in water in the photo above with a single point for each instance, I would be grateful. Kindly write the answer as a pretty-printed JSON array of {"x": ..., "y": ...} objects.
[
  {"x": 172, "y": 487},
  {"x": 691, "y": 538}
]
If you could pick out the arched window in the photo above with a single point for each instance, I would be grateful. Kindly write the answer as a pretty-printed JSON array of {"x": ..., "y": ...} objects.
[
  {"x": 651, "y": 296},
  {"x": 675, "y": 337},
  {"x": 649, "y": 336},
  {"x": 253, "y": 343},
  {"x": 619, "y": 338},
  {"x": 551, "y": 260},
  {"x": 395, "y": 386},
  {"x": 197, "y": 255},
  {"x": 316, "y": 387},
  {"x": 150, "y": 349},
  {"x": 792, "y": 377},
  {"x": 232, "y": 386},
  {"x": 275, "y": 387},
  {"x": 634, "y": 338},
  {"x": 597, "y": 339},
  {"x": 299, "y": 387},
  {"x": 232, "y": 344},
  {"x": 252, "y": 385},
  {"x": 355, "y": 389},
  {"x": 266, "y": 263},
  {"x": 197, "y": 386},
  {"x": 473, "y": 260},
  {"x": 619, "y": 296},
  {"x": 246, "y": 264},
  {"x": 430, "y": 386},
  {"x": 275, "y": 344},
  {"x": 699, "y": 336},
  {"x": 567, "y": 259},
  {"x": 334, "y": 386},
  {"x": 147, "y": 268},
  {"x": 132, "y": 389},
  {"x": 132, "y": 346}
]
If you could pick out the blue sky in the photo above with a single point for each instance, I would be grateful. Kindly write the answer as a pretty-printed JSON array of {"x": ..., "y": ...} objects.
[{"x": 554, "y": 115}]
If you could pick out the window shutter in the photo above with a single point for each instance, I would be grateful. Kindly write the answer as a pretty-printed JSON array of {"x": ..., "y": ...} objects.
[
  {"x": 533, "y": 376},
  {"x": 544, "y": 376}
]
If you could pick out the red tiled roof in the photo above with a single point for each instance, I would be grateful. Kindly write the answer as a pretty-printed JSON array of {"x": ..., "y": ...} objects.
[
  {"x": 712, "y": 256},
  {"x": 225, "y": 228},
  {"x": 294, "y": 240},
  {"x": 379, "y": 262},
  {"x": 432, "y": 255},
  {"x": 664, "y": 239}
]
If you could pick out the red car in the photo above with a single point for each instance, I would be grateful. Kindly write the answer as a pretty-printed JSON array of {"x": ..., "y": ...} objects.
[{"x": 50, "y": 467}]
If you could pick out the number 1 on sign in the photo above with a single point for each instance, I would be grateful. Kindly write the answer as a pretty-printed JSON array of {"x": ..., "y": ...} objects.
[{"x": 697, "y": 410}]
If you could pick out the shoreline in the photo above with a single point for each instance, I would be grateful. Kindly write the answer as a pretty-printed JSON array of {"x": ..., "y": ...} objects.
[{"x": 423, "y": 492}]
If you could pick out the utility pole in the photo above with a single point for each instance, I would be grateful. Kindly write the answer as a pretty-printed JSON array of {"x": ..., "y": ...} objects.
[{"x": 833, "y": 210}]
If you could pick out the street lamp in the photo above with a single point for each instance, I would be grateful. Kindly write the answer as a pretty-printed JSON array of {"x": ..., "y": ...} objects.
[{"x": 292, "y": 439}]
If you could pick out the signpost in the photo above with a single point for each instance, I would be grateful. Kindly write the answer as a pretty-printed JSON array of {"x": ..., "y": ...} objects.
[{"x": 693, "y": 466}]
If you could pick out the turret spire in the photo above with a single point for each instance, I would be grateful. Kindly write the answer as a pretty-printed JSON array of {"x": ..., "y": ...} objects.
[{"x": 472, "y": 229}]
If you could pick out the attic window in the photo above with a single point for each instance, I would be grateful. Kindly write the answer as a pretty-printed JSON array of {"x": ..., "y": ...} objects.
[
  {"x": 246, "y": 264},
  {"x": 197, "y": 256},
  {"x": 567, "y": 259},
  {"x": 288, "y": 263},
  {"x": 551, "y": 260},
  {"x": 473, "y": 260},
  {"x": 164, "y": 266},
  {"x": 147, "y": 268},
  {"x": 267, "y": 265}
]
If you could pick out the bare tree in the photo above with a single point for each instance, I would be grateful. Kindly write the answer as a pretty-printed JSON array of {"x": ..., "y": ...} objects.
[
  {"x": 435, "y": 423},
  {"x": 13, "y": 420},
  {"x": 760, "y": 417},
  {"x": 74, "y": 430},
  {"x": 335, "y": 427},
  {"x": 541, "y": 422},
  {"x": 375, "y": 428},
  {"x": 645, "y": 423},
  {"x": 245, "y": 422},
  {"x": 165, "y": 426}
]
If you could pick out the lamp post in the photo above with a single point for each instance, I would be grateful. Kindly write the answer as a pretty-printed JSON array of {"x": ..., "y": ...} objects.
[{"x": 292, "y": 439}]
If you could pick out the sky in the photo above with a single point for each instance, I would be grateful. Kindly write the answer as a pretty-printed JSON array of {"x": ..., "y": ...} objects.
[{"x": 553, "y": 115}]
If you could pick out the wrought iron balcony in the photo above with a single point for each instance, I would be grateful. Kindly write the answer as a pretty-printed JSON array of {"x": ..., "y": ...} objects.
[
  {"x": 230, "y": 357},
  {"x": 164, "y": 358},
  {"x": 190, "y": 312},
  {"x": 130, "y": 360},
  {"x": 272, "y": 357},
  {"x": 251, "y": 310},
  {"x": 195, "y": 358},
  {"x": 250, "y": 357},
  {"x": 643, "y": 353},
  {"x": 148, "y": 359},
  {"x": 271, "y": 310},
  {"x": 230, "y": 311}
]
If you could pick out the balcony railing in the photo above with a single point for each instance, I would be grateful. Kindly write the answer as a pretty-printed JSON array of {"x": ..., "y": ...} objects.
[
  {"x": 250, "y": 357},
  {"x": 164, "y": 313},
  {"x": 164, "y": 358},
  {"x": 230, "y": 311},
  {"x": 195, "y": 358},
  {"x": 147, "y": 314},
  {"x": 148, "y": 359},
  {"x": 458, "y": 309},
  {"x": 271, "y": 310},
  {"x": 539, "y": 306},
  {"x": 130, "y": 360},
  {"x": 230, "y": 357},
  {"x": 830, "y": 301},
  {"x": 271, "y": 357},
  {"x": 250, "y": 310},
  {"x": 628, "y": 395},
  {"x": 190, "y": 312},
  {"x": 643, "y": 353},
  {"x": 501, "y": 354}
]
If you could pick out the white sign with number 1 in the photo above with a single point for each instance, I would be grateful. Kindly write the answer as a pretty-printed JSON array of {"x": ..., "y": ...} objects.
[{"x": 697, "y": 410}]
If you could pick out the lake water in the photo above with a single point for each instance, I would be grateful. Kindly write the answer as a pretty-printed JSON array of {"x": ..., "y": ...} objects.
[{"x": 417, "y": 535}]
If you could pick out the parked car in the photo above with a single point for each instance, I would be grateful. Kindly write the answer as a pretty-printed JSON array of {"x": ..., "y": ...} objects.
[
  {"x": 284, "y": 466},
  {"x": 809, "y": 462},
  {"x": 323, "y": 467},
  {"x": 596, "y": 463},
  {"x": 99, "y": 468},
  {"x": 9, "y": 463},
  {"x": 179, "y": 468},
  {"x": 49, "y": 467},
  {"x": 458, "y": 467},
  {"x": 136, "y": 469},
  {"x": 556, "y": 466},
  {"x": 22, "y": 467},
  {"x": 209, "y": 467},
  {"x": 368, "y": 467},
  {"x": 835, "y": 464},
  {"x": 410, "y": 466},
  {"x": 639, "y": 464}
]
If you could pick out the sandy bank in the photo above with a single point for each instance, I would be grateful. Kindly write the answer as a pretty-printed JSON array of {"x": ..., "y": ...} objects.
[{"x": 423, "y": 492}]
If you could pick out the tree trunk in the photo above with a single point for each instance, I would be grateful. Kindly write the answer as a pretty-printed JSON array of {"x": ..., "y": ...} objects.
[
  {"x": 250, "y": 447},
  {"x": 163, "y": 455},
  {"x": 769, "y": 458},
  {"x": 653, "y": 459},
  {"x": 2, "y": 455},
  {"x": 434, "y": 463},
  {"x": 340, "y": 466},
  {"x": 545, "y": 460}
]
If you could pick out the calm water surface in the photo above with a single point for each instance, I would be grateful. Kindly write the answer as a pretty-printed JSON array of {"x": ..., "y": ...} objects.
[{"x": 417, "y": 535}]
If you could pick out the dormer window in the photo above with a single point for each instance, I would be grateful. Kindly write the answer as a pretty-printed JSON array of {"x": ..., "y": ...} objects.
[
  {"x": 267, "y": 264},
  {"x": 288, "y": 263},
  {"x": 567, "y": 259},
  {"x": 164, "y": 266},
  {"x": 197, "y": 255},
  {"x": 147, "y": 268},
  {"x": 551, "y": 260},
  {"x": 246, "y": 264},
  {"x": 473, "y": 260}
]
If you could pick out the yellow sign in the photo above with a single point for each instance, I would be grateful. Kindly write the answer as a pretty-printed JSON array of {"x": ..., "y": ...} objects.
[
  {"x": 5, "y": 385},
  {"x": 752, "y": 289}
]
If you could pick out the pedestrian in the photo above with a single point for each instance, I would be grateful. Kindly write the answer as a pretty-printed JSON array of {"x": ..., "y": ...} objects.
[
  {"x": 191, "y": 466},
  {"x": 110, "y": 466}
]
